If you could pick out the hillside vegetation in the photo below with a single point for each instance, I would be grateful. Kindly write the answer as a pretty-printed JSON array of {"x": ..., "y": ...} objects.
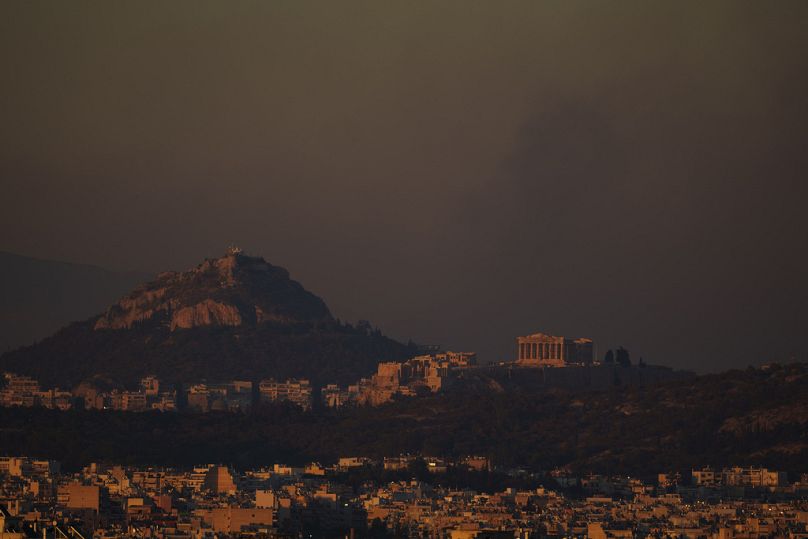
[{"x": 739, "y": 417}]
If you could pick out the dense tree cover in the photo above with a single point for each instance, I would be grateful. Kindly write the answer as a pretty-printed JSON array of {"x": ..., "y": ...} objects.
[
  {"x": 622, "y": 357},
  {"x": 739, "y": 417}
]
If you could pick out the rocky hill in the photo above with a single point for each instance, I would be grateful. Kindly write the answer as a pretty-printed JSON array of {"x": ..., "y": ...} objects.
[
  {"x": 236, "y": 316},
  {"x": 234, "y": 290}
]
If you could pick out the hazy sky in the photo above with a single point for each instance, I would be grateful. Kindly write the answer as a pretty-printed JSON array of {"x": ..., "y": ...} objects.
[{"x": 455, "y": 172}]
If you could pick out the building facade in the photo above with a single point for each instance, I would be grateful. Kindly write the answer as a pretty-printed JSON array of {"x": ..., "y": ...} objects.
[{"x": 544, "y": 350}]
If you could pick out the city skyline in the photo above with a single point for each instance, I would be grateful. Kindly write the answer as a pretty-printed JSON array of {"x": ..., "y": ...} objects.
[{"x": 455, "y": 269}]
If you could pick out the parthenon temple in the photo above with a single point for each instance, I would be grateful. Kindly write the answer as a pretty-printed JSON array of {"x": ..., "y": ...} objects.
[{"x": 540, "y": 349}]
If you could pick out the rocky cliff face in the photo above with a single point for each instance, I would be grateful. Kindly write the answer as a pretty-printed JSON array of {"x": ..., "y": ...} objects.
[
  {"x": 206, "y": 313},
  {"x": 233, "y": 290}
]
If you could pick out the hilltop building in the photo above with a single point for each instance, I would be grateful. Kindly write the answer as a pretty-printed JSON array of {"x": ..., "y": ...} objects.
[
  {"x": 294, "y": 390},
  {"x": 25, "y": 391},
  {"x": 150, "y": 386},
  {"x": 419, "y": 375},
  {"x": 235, "y": 395},
  {"x": 544, "y": 350},
  {"x": 334, "y": 396},
  {"x": 738, "y": 477}
]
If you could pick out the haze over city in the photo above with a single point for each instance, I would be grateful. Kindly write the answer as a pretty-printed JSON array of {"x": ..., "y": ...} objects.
[
  {"x": 451, "y": 269},
  {"x": 457, "y": 172}
]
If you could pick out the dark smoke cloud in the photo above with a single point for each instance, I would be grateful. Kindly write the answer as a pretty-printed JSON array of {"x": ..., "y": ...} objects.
[{"x": 455, "y": 172}]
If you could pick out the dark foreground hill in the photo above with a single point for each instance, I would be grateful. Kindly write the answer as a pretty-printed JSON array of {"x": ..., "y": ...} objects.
[
  {"x": 735, "y": 418},
  {"x": 232, "y": 317},
  {"x": 37, "y": 297}
]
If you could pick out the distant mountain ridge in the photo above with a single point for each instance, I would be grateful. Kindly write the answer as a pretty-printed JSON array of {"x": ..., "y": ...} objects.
[
  {"x": 236, "y": 316},
  {"x": 37, "y": 296}
]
